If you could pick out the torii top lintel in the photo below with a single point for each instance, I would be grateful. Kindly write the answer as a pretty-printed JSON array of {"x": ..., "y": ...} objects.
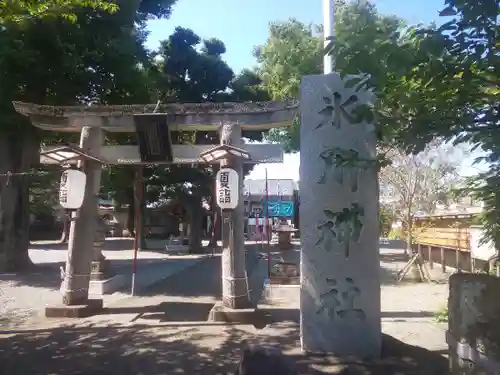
[{"x": 185, "y": 116}]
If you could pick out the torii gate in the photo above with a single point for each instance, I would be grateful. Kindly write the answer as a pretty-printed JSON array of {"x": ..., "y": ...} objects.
[{"x": 153, "y": 131}]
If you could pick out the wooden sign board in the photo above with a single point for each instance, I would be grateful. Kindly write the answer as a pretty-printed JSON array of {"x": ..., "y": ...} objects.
[{"x": 154, "y": 140}]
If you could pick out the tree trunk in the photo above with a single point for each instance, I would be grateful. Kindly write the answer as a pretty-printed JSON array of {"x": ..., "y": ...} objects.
[
  {"x": 215, "y": 215},
  {"x": 65, "y": 231},
  {"x": 409, "y": 237},
  {"x": 215, "y": 230},
  {"x": 195, "y": 227},
  {"x": 131, "y": 212},
  {"x": 17, "y": 154}
]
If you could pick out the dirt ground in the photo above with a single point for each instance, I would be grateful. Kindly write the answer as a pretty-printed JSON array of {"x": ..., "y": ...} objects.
[{"x": 164, "y": 331}]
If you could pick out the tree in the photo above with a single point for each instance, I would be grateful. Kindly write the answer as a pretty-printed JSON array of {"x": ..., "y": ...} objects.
[
  {"x": 57, "y": 61},
  {"x": 28, "y": 10},
  {"x": 449, "y": 89},
  {"x": 187, "y": 69},
  {"x": 414, "y": 183},
  {"x": 22, "y": 10},
  {"x": 363, "y": 41},
  {"x": 465, "y": 87},
  {"x": 386, "y": 219}
]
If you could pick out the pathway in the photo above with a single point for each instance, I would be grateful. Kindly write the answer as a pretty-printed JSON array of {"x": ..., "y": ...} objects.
[
  {"x": 24, "y": 296},
  {"x": 408, "y": 308}
]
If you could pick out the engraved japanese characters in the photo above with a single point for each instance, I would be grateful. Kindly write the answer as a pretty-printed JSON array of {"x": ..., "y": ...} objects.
[
  {"x": 339, "y": 301},
  {"x": 340, "y": 287},
  {"x": 345, "y": 226}
]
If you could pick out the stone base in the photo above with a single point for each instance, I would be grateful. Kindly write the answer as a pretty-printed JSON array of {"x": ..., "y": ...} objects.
[
  {"x": 220, "y": 313},
  {"x": 284, "y": 246},
  {"x": 107, "y": 286},
  {"x": 280, "y": 293},
  {"x": 93, "y": 307},
  {"x": 284, "y": 280},
  {"x": 99, "y": 269},
  {"x": 167, "y": 245}
]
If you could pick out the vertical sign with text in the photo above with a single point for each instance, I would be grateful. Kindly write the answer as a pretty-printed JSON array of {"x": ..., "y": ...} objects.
[{"x": 227, "y": 189}]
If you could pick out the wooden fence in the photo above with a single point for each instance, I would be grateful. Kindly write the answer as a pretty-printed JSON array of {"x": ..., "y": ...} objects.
[
  {"x": 454, "y": 238},
  {"x": 446, "y": 241}
]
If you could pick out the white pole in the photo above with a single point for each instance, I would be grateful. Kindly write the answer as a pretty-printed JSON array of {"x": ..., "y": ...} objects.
[{"x": 328, "y": 32}]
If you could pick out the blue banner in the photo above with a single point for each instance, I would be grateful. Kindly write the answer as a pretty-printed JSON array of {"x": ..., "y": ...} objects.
[{"x": 279, "y": 208}]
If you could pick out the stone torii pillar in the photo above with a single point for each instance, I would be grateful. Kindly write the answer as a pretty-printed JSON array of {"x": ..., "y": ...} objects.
[
  {"x": 75, "y": 286},
  {"x": 153, "y": 131},
  {"x": 234, "y": 275}
]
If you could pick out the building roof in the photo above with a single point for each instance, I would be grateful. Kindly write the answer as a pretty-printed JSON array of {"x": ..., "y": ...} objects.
[{"x": 275, "y": 187}]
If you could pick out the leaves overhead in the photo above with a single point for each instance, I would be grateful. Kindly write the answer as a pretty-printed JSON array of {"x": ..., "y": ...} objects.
[
  {"x": 463, "y": 93},
  {"x": 25, "y": 10},
  {"x": 363, "y": 40},
  {"x": 29, "y": 10}
]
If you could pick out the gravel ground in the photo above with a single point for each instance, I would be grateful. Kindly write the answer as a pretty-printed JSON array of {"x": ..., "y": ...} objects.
[
  {"x": 24, "y": 296},
  {"x": 163, "y": 332}
]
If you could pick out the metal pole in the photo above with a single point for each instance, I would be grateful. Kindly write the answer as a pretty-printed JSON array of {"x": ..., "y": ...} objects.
[
  {"x": 268, "y": 231},
  {"x": 328, "y": 32},
  {"x": 214, "y": 233},
  {"x": 138, "y": 222}
]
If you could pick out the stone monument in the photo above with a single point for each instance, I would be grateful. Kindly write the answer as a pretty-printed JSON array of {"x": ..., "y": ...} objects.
[
  {"x": 340, "y": 281},
  {"x": 473, "y": 336}
]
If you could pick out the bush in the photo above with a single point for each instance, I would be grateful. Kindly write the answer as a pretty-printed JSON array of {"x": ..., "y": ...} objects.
[
  {"x": 441, "y": 316},
  {"x": 396, "y": 234}
]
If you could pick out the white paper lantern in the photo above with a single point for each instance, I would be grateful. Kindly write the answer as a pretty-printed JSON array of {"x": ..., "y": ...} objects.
[
  {"x": 72, "y": 189},
  {"x": 227, "y": 189}
]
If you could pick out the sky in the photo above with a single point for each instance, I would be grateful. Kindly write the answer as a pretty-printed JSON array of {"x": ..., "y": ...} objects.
[{"x": 241, "y": 25}]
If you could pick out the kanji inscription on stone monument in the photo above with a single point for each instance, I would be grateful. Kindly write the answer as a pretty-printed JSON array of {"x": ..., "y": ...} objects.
[{"x": 340, "y": 281}]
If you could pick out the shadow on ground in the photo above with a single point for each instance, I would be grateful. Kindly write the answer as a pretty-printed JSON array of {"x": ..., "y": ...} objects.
[
  {"x": 167, "y": 311},
  {"x": 408, "y": 314},
  {"x": 388, "y": 276},
  {"x": 173, "y": 337},
  {"x": 48, "y": 275},
  {"x": 394, "y": 257},
  {"x": 202, "y": 280},
  {"x": 110, "y": 244},
  {"x": 185, "y": 349},
  {"x": 393, "y": 244}
]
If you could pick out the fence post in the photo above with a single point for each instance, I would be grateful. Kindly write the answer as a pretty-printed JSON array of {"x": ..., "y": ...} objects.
[
  {"x": 429, "y": 251},
  {"x": 443, "y": 264}
]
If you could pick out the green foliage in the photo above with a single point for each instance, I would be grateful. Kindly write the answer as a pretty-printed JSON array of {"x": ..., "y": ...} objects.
[
  {"x": 430, "y": 82},
  {"x": 188, "y": 69},
  {"x": 441, "y": 315},
  {"x": 292, "y": 50},
  {"x": 396, "y": 234},
  {"x": 463, "y": 87},
  {"x": 28, "y": 10},
  {"x": 363, "y": 41},
  {"x": 386, "y": 219},
  {"x": 23, "y": 10},
  {"x": 93, "y": 56}
]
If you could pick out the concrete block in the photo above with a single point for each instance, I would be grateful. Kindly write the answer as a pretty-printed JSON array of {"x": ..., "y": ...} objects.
[
  {"x": 106, "y": 286},
  {"x": 93, "y": 307},
  {"x": 256, "y": 317}
]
